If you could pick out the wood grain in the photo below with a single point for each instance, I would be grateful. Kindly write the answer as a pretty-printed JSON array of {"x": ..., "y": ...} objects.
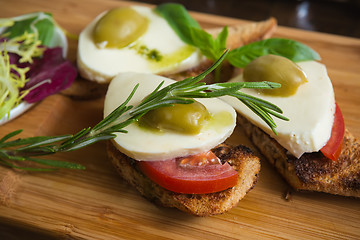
[{"x": 97, "y": 204}]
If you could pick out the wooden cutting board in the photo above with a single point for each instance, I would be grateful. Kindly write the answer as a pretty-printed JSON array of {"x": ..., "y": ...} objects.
[{"x": 97, "y": 204}]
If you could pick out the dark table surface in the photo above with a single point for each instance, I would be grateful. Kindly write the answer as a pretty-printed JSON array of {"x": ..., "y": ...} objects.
[{"x": 339, "y": 17}]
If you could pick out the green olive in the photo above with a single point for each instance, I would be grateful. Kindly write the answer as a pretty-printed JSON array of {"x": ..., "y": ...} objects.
[
  {"x": 184, "y": 118},
  {"x": 273, "y": 68},
  {"x": 119, "y": 27}
]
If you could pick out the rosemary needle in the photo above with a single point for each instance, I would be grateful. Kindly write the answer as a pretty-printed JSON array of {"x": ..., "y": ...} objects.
[{"x": 14, "y": 152}]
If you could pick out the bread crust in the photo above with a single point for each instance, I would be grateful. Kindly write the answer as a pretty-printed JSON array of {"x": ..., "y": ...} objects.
[
  {"x": 242, "y": 34},
  {"x": 240, "y": 158},
  {"x": 313, "y": 171}
]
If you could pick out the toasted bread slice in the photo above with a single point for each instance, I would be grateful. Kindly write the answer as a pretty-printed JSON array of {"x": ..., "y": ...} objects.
[
  {"x": 240, "y": 158},
  {"x": 313, "y": 171},
  {"x": 239, "y": 35}
]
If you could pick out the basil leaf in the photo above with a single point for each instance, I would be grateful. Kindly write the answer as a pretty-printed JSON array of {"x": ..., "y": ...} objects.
[
  {"x": 210, "y": 47},
  {"x": 179, "y": 20},
  {"x": 221, "y": 39},
  {"x": 204, "y": 41},
  {"x": 189, "y": 30},
  {"x": 290, "y": 49}
]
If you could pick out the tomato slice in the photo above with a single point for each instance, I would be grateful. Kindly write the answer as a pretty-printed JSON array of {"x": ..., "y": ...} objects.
[
  {"x": 197, "y": 174},
  {"x": 332, "y": 149}
]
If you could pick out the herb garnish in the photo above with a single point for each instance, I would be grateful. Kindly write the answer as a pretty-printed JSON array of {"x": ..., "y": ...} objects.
[
  {"x": 293, "y": 50},
  {"x": 182, "y": 92},
  {"x": 189, "y": 30}
]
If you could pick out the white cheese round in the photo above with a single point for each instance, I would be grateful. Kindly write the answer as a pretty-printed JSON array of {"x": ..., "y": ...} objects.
[
  {"x": 310, "y": 110},
  {"x": 102, "y": 64},
  {"x": 143, "y": 144}
]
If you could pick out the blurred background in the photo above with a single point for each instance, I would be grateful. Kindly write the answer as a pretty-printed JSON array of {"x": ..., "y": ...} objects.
[{"x": 341, "y": 17}]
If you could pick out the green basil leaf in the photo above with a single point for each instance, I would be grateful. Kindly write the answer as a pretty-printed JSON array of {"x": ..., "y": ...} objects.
[
  {"x": 189, "y": 30},
  {"x": 179, "y": 20},
  {"x": 290, "y": 49},
  {"x": 210, "y": 47},
  {"x": 221, "y": 39},
  {"x": 220, "y": 42},
  {"x": 204, "y": 41}
]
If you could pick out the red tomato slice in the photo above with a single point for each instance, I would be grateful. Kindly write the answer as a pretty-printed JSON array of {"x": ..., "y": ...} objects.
[
  {"x": 332, "y": 149},
  {"x": 197, "y": 174}
]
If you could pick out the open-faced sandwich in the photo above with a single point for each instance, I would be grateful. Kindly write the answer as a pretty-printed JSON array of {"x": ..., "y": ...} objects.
[
  {"x": 312, "y": 151},
  {"x": 175, "y": 156},
  {"x": 32, "y": 62}
]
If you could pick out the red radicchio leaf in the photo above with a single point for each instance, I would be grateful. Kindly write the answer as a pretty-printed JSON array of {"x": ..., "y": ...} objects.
[{"x": 49, "y": 75}]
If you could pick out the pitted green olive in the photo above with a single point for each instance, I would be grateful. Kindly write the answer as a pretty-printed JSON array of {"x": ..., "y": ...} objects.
[
  {"x": 184, "y": 118},
  {"x": 273, "y": 68},
  {"x": 119, "y": 27}
]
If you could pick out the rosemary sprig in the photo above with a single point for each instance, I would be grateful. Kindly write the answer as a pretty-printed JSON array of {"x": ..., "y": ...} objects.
[{"x": 182, "y": 92}]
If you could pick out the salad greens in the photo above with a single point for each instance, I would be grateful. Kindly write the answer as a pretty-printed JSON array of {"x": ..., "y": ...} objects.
[{"x": 32, "y": 61}]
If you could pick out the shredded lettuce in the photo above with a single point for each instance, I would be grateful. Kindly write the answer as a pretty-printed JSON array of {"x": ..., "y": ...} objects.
[
  {"x": 12, "y": 79},
  {"x": 27, "y": 46}
]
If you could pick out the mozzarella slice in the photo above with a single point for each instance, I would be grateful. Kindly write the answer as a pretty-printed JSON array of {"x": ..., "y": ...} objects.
[
  {"x": 102, "y": 64},
  {"x": 144, "y": 144},
  {"x": 310, "y": 110}
]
